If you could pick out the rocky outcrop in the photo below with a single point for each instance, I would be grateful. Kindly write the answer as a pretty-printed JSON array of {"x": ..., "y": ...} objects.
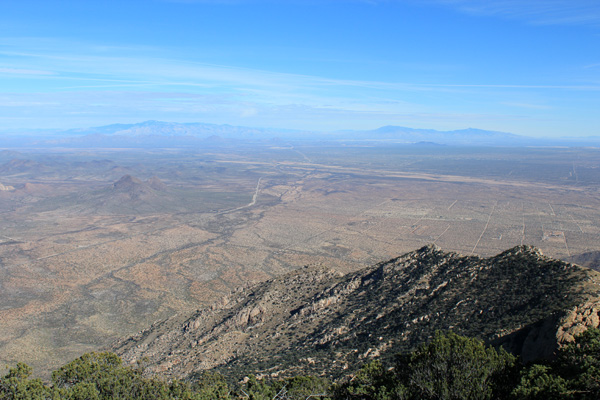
[
  {"x": 317, "y": 321},
  {"x": 6, "y": 188},
  {"x": 579, "y": 319}
]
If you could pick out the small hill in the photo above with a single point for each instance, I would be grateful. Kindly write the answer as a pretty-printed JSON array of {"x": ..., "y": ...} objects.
[
  {"x": 131, "y": 194},
  {"x": 16, "y": 166},
  {"x": 117, "y": 172},
  {"x": 9, "y": 154},
  {"x": 128, "y": 195},
  {"x": 135, "y": 188},
  {"x": 36, "y": 189},
  {"x": 156, "y": 184},
  {"x": 132, "y": 186},
  {"x": 318, "y": 321}
]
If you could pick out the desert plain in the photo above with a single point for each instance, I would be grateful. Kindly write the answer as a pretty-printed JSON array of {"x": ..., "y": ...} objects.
[{"x": 97, "y": 244}]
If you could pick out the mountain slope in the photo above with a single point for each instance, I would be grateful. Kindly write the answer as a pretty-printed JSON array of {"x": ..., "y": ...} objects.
[
  {"x": 589, "y": 260},
  {"x": 317, "y": 321}
]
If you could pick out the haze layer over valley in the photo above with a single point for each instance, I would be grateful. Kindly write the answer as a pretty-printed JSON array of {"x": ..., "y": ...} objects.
[{"x": 96, "y": 245}]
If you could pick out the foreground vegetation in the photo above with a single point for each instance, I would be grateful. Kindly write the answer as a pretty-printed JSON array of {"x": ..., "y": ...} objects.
[{"x": 448, "y": 367}]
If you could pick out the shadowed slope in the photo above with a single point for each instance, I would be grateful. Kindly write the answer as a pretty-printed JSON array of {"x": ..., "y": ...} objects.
[{"x": 314, "y": 320}]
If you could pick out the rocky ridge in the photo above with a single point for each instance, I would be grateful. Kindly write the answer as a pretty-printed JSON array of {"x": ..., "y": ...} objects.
[{"x": 318, "y": 321}]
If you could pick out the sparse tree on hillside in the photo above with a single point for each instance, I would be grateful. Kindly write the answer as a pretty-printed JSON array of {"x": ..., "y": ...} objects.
[{"x": 455, "y": 367}]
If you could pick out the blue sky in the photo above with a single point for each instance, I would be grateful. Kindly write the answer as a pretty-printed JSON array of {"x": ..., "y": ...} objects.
[{"x": 530, "y": 67}]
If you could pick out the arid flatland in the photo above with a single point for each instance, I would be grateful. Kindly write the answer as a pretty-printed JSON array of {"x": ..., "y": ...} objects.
[{"x": 88, "y": 256}]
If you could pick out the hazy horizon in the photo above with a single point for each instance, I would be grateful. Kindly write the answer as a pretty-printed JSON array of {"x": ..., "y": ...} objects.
[{"x": 527, "y": 68}]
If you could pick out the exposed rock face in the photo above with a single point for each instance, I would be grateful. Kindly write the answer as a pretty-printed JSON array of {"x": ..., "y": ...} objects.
[
  {"x": 578, "y": 320},
  {"x": 316, "y": 321},
  {"x": 6, "y": 188}
]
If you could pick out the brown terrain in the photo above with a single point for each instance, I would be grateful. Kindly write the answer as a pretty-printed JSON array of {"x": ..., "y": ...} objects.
[
  {"x": 95, "y": 246},
  {"x": 315, "y": 321}
]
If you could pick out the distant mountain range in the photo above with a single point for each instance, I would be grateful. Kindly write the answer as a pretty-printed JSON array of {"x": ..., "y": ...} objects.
[
  {"x": 173, "y": 129},
  {"x": 172, "y": 134},
  {"x": 470, "y": 136},
  {"x": 317, "y": 321}
]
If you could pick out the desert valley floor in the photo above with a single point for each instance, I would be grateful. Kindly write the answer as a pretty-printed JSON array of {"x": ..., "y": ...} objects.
[{"x": 95, "y": 246}]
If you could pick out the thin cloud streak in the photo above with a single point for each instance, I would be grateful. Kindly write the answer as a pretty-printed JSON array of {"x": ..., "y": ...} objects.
[
  {"x": 591, "y": 66},
  {"x": 141, "y": 84},
  {"x": 492, "y": 86},
  {"x": 22, "y": 71},
  {"x": 169, "y": 72},
  {"x": 540, "y": 12},
  {"x": 527, "y": 106}
]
